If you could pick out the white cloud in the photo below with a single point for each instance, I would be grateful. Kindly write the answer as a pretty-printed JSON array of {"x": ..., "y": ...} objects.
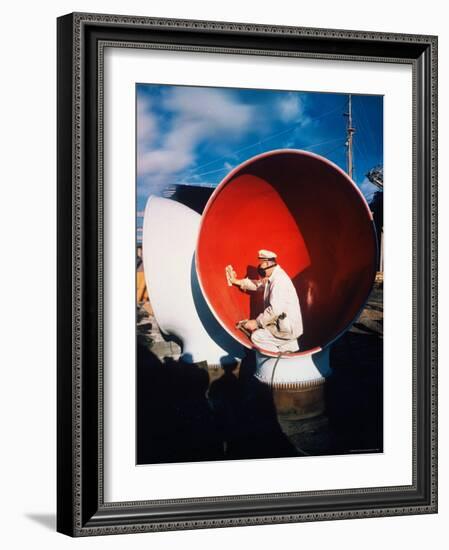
[
  {"x": 163, "y": 161},
  {"x": 185, "y": 134},
  {"x": 146, "y": 123},
  {"x": 216, "y": 109},
  {"x": 196, "y": 115},
  {"x": 368, "y": 189},
  {"x": 168, "y": 146},
  {"x": 291, "y": 109}
]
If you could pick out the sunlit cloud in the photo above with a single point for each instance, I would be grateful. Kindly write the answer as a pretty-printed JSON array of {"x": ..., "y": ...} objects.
[
  {"x": 291, "y": 108},
  {"x": 368, "y": 189},
  {"x": 195, "y": 116},
  {"x": 196, "y": 136},
  {"x": 147, "y": 126}
]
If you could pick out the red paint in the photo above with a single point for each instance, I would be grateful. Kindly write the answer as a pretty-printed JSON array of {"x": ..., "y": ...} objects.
[{"x": 314, "y": 217}]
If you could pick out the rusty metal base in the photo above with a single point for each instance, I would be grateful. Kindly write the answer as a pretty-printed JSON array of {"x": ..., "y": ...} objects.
[{"x": 300, "y": 403}]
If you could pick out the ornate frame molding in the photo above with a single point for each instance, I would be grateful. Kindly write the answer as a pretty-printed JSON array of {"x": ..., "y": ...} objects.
[{"x": 81, "y": 42}]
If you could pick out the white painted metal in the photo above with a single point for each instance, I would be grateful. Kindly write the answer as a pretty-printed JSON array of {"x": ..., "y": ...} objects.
[
  {"x": 170, "y": 231},
  {"x": 293, "y": 371}
]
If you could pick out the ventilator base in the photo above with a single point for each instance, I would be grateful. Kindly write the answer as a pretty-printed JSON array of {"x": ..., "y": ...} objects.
[
  {"x": 300, "y": 403},
  {"x": 297, "y": 382}
]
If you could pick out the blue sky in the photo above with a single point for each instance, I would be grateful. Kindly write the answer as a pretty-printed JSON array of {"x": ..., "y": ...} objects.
[{"x": 196, "y": 135}]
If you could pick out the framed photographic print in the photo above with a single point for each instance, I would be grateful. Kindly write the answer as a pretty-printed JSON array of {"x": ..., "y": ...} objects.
[{"x": 247, "y": 326}]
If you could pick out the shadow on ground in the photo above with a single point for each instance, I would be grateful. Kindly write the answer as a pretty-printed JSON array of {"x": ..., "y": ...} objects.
[
  {"x": 188, "y": 413},
  {"x": 183, "y": 418}
]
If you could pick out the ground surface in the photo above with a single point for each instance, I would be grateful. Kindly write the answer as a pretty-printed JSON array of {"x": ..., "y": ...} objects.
[{"x": 190, "y": 413}]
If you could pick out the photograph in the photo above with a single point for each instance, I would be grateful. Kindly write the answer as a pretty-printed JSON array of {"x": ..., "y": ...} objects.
[
  {"x": 237, "y": 332},
  {"x": 239, "y": 343},
  {"x": 259, "y": 273}
]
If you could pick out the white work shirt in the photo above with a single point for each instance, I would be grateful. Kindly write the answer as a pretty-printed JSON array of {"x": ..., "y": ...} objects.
[{"x": 279, "y": 297}]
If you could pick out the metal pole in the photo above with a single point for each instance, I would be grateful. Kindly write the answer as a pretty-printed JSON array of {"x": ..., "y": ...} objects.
[{"x": 351, "y": 131}]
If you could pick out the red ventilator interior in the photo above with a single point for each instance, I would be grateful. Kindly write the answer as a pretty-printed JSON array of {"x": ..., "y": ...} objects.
[{"x": 314, "y": 217}]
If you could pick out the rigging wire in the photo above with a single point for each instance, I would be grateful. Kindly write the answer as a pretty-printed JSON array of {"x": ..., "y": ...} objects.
[
  {"x": 221, "y": 169},
  {"x": 333, "y": 149},
  {"x": 255, "y": 144},
  {"x": 362, "y": 135}
]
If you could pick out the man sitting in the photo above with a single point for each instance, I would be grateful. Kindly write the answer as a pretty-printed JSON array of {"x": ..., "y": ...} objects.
[{"x": 279, "y": 326}]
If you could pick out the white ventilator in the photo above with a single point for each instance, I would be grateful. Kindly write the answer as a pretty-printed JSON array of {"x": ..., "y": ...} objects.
[
  {"x": 170, "y": 232},
  {"x": 293, "y": 371}
]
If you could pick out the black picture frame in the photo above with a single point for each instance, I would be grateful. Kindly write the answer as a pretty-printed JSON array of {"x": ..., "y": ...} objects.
[{"x": 81, "y": 510}]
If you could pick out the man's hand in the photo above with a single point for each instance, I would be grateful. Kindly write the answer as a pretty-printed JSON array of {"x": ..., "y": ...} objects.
[
  {"x": 251, "y": 325},
  {"x": 231, "y": 275}
]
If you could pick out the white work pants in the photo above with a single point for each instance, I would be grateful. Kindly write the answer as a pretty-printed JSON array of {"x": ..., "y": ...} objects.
[{"x": 263, "y": 338}]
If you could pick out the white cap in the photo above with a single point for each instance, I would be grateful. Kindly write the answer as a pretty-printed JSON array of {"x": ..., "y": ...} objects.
[{"x": 267, "y": 255}]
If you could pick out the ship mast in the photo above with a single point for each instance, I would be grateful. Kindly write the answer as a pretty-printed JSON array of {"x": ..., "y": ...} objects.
[{"x": 350, "y": 131}]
